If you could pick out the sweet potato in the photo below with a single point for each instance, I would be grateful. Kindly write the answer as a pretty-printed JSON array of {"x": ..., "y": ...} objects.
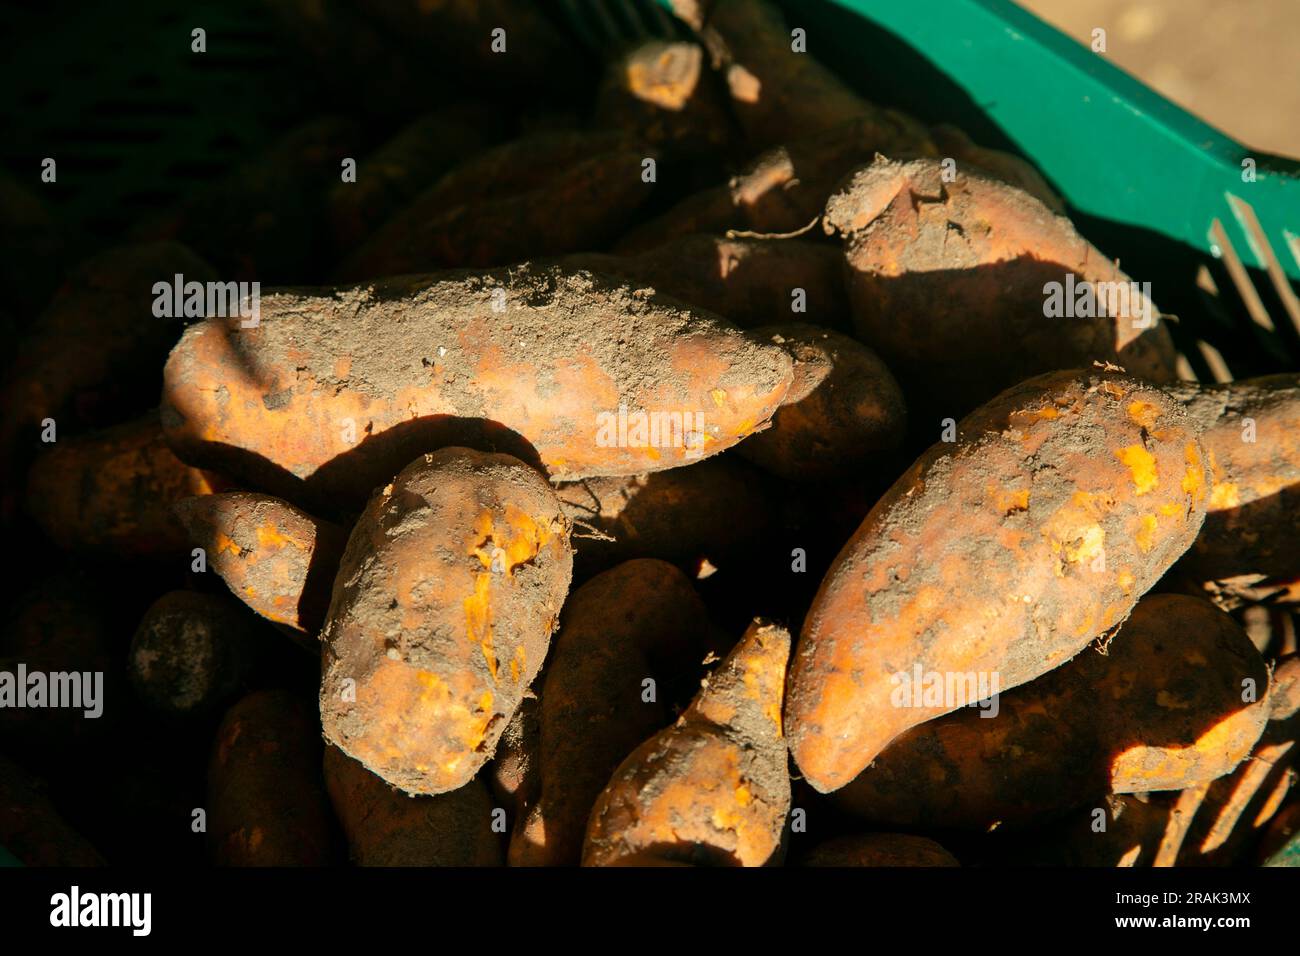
[
  {"x": 514, "y": 771},
  {"x": 1213, "y": 823},
  {"x": 1249, "y": 548},
  {"x": 441, "y": 617},
  {"x": 96, "y": 336},
  {"x": 266, "y": 797},
  {"x": 400, "y": 169},
  {"x": 640, "y": 620},
  {"x": 880, "y": 849},
  {"x": 776, "y": 92},
  {"x": 61, "y": 624},
  {"x": 265, "y": 220},
  {"x": 1163, "y": 709},
  {"x": 111, "y": 492},
  {"x": 385, "y": 827},
  {"x": 784, "y": 189},
  {"x": 192, "y": 653},
  {"x": 549, "y": 211},
  {"x": 750, "y": 282},
  {"x": 418, "y": 363},
  {"x": 1005, "y": 551},
  {"x": 32, "y": 830},
  {"x": 1235, "y": 809},
  {"x": 714, "y": 788},
  {"x": 277, "y": 559},
  {"x": 1011, "y": 169},
  {"x": 843, "y": 410},
  {"x": 717, "y": 509},
  {"x": 950, "y": 283},
  {"x": 663, "y": 92}
]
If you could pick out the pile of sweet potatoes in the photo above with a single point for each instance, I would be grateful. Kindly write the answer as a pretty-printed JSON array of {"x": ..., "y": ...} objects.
[{"x": 672, "y": 460}]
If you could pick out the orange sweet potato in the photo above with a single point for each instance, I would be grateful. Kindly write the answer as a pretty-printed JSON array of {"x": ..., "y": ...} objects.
[
  {"x": 112, "y": 491},
  {"x": 785, "y": 188},
  {"x": 714, "y": 788},
  {"x": 277, "y": 559},
  {"x": 334, "y": 391},
  {"x": 776, "y": 92},
  {"x": 103, "y": 309},
  {"x": 951, "y": 283},
  {"x": 265, "y": 220},
  {"x": 266, "y": 797},
  {"x": 1249, "y": 548},
  {"x": 514, "y": 771},
  {"x": 663, "y": 92},
  {"x": 1005, "y": 551},
  {"x": 750, "y": 282},
  {"x": 32, "y": 830},
  {"x": 1235, "y": 809},
  {"x": 879, "y": 849},
  {"x": 192, "y": 653},
  {"x": 639, "y": 620},
  {"x": 1011, "y": 169},
  {"x": 552, "y": 210},
  {"x": 843, "y": 410},
  {"x": 1163, "y": 709},
  {"x": 441, "y": 617},
  {"x": 714, "y": 510},
  {"x": 400, "y": 169},
  {"x": 385, "y": 827}
]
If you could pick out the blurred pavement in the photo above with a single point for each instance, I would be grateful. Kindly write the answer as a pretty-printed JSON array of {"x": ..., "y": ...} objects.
[{"x": 1234, "y": 63}]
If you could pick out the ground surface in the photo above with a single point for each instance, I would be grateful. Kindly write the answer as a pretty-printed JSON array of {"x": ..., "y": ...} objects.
[{"x": 1235, "y": 63}]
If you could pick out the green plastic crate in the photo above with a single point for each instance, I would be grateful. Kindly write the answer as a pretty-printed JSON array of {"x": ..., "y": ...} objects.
[{"x": 1146, "y": 181}]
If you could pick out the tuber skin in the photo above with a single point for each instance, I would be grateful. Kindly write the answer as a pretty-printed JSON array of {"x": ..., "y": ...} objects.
[
  {"x": 276, "y": 558},
  {"x": 784, "y": 189},
  {"x": 776, "y": 92},
  {"x": 103, "y": 305},
  {"x": 111, "y": 492},
  {"x": 1007, "y": 551},
  {"x": 714, "y": 788},
  {"x": 266, "y": 798},
  {"x": 663, "y": 92},
  {"x": 544, "y": 195},
  {"x": 443, "y": 609},
  {"x": 514, "y": 770},
  {"x": 1233, "y": 810},
  {"x": 1161, "y": 709},
  {"x": 334, "y": 391},
  {"x": 397, "y": 171},
  {"x": 750, "y": 282},
  {"x": 1011, "y": 169},
  {"x": 843, "y": 410},
  {"x": 266, "y": 219},
  {"x": 192, "y": 653},
  {"x": 718, "y": 509},
  {"x": 639, "y": 620},
  {"x": 949, "y": 283},
  {"x": 1249, "y": 549},
  {"x": 32, "y": 830},
  {"x": 386, "y": 827}
]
